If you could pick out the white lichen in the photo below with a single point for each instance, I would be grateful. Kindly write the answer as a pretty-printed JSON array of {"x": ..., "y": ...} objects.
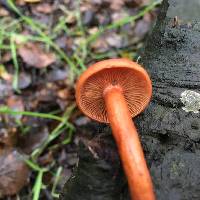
[{"x": 191, "y": 101}]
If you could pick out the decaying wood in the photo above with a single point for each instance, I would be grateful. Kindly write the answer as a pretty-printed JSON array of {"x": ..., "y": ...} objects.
[
  {"x": 98, "y": 174},
  {"x": 170, "y": 134},
  {"x": 170, "y": 126}
]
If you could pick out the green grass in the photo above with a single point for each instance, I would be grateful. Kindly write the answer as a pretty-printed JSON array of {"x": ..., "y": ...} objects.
[
  {"x": 56, "y": 181},
  {"x": 63, "y": 125},
  {"x": 37, "y": 27},
  {"x": 122, "y": 22},
  {"x": 13, "y": 49},
  {"x": 7, "y": 110},
  {"x": 32, "y": 160},
  {"x": 38, "y": 185},
  {"x": 11, "y": 30},
  {"x": 47, "y": 37}
]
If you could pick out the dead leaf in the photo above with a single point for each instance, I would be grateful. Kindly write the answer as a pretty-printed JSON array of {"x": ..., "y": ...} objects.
[
  {"x": 6, "y": 57},
  {"x": 81, "y": 121},
  {"x": 93, "y": 30},
  {"x": 33, "y": 140},
  {"x": 46, "y": 159},
  {"x": 136, "y": 3},
  {"x": 100, "y": 45},
  {"x": 89, "y": 18},
  {"x": 14, "y": 173},
  {"x": 114, "y": 40},
  {"x": 63, "y": 93},
  {"x": 20, "y": 2},
  {"x": 8, "y": 137},
  {"x": 3, "y": 12},
  {"x": 5, "y": 89},
  {"x": 71, "y": 18},
  {"x": 116, "y": 4},
  {"x": 45, "y": 8},
  {"x": 4, "y": 74},
  {"x": 32, "y": 1},
  {"x": 15, "y": 103},
  {"x": 34, "y": 56},
  {"x": 142, "y": 26},
  {"x": 24, "y": 80},
  {"x": 57, "y": 75},
  {"x": 116, "y": 16}
]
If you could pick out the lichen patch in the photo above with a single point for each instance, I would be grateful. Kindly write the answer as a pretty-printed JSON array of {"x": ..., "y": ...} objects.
[{"x": 191, "y": 101}]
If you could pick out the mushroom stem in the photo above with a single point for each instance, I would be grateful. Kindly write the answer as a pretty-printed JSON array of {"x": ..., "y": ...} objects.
[{"x": 129, "y": 145}]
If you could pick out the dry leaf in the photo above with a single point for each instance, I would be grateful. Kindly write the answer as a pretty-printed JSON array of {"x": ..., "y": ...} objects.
[
  {"x": 81, "y": 121},
  {"x": 5, "y": 89},
  {"x": 116, "y": 4},
  {"x": 142, "y": 26},
  {"x": 3, "y": 12},
  {"x": 100, "y": 45},
  {"x": 135, "y": 3},
  {"x": 34, "y": 56},
  {"x": 32, "y": 1},
  {"x": 45, "y": 8},
  {"x": 33, "y": 140},
  {"x": 46, "y": 159},
  {"x": 23, "y": 2},
  {"x": 6, "y": 57},
  {"x": 13, "y": 173},
  {"x": 8, "y": 137},
  {"x": 24, "y": 80},
  {"x": 15, "y": 103},
  {"x": 4, "y": 74},
  {"x": 114, "y": 40},
  {"x": 63, "y": 93}
]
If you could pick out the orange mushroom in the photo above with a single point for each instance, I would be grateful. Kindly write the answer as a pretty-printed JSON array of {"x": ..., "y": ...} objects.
[{"x": 113, "y": 91}]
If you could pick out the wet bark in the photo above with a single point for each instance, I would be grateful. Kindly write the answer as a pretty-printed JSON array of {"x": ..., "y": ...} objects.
[
  {"x": 98, "y": 175},
  {"x": 170, "y": 135}
]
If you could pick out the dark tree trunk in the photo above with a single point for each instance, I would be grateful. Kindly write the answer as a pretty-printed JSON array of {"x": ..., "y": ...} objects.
[
  {"x": 170, "y": 135},
  {"x": 99, "y": 175}
]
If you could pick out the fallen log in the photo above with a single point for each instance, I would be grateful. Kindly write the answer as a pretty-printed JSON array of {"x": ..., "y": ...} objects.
[
  {"x": 98, "y": 174},
  {"x": 169, "y": 127}
]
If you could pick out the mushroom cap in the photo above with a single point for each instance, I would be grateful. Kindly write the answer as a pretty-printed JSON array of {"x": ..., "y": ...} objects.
[{"x": 130, "y": 76}]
